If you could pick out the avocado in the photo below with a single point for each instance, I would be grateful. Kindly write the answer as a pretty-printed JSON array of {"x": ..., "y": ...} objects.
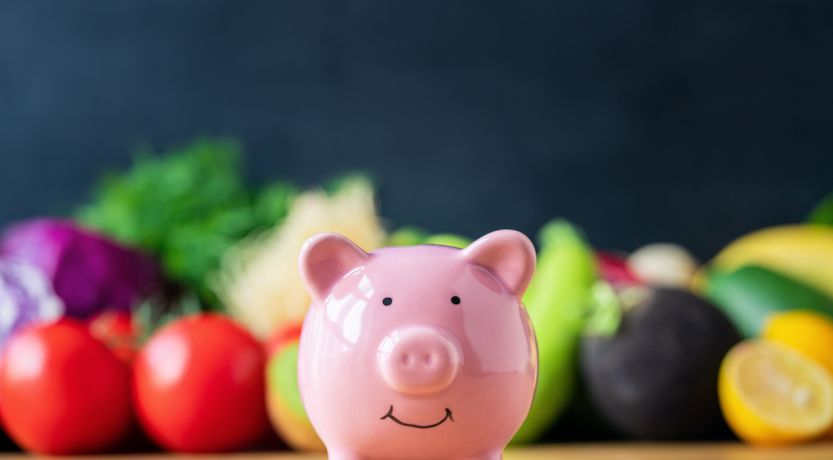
[{"x": 654, "y": 376}]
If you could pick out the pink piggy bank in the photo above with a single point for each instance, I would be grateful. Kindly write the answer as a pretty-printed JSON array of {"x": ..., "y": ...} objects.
[{"x": 420, "y": 352}]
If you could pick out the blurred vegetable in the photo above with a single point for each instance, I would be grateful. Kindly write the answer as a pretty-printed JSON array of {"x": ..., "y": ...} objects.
[
  {"x": 751, "y": 294},
  {"x": 448, "y": 239},
  {"x": 773, "y": 395},
  {"x": 802, "y": 252},
  {"x": 156, "y": 312},
  {"x": 26, "y": 297},
  {"x": 557, "y": 301},
  {"x": 286, "y": 410},
  {"x": 823, "y": 212},
  {"x": 199, "y": 386},
  {"x": 118, "y": 331},
  {"x": 63, "y": 391},
  {"x": 606, "y": 308},
  {"x": 260, "y": 280},
  {"x": 187, "y": 207},
  {"x": 654, "y": 376},
  {"x": 87, "y": 272},
  {"x": 613, "y": 268},
  {"x": 406, "y": 236},
  {"x": 412, "y": 236},
  {"x": 664, "y": 264}
]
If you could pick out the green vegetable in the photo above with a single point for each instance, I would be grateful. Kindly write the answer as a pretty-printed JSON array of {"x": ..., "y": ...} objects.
[
  {"x": 606, "y": 313},
  {"x": 751, "y": 293},
  {"x": 406, "y": 236},
  {"x": 186, "y": 207},
  {"x": 823, "y": 212},
  {"x": 448, "y": 239},
  {"x": 558, "y": 301},
  {"x": 412, "y": 236}
]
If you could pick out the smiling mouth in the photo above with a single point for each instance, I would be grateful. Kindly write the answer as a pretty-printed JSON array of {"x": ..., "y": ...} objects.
[{"x": 390, "y": 415}]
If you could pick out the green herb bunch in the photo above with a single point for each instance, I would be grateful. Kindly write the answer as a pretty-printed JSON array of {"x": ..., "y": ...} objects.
[{"x": 187, "y": 207}]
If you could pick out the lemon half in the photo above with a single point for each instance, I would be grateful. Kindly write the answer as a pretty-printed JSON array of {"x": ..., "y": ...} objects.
[{"x": 773, "y": 395}]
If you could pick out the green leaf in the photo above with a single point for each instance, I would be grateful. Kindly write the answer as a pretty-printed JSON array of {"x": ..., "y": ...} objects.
[
  {"x": 606, "y": 311},
  {"x": 407, "y": 236},
  {"x": 187, "y": 206},
  {"x": 823, "y": 212},
  {"x": 335, "y": 184}
]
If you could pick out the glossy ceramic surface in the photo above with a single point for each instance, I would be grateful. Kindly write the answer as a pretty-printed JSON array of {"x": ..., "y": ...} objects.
[{"x": 418, "y": 352}]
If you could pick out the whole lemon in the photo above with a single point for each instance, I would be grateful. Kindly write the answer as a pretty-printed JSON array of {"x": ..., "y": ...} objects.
[{"x": 808, "y": 332}]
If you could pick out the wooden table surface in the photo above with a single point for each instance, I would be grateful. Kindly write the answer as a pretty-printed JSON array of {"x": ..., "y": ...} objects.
[{"x": 726, "y": 451}]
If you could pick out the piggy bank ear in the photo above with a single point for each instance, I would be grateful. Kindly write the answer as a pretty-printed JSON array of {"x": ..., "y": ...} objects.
[
  {"x": 507, "y": 254},
  {"x": 325, "y": 259}
]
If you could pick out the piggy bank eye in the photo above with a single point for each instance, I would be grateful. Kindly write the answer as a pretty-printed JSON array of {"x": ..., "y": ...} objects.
[
  {"x": 455, "y": 300},
  {"x": 387, "y": 301}
]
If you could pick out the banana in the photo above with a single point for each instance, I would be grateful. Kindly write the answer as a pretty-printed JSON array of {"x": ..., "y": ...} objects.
[{"x": 804, "y": 252}]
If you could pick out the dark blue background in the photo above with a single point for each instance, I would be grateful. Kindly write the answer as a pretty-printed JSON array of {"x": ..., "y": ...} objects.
[{"x": 648, "y": 120}]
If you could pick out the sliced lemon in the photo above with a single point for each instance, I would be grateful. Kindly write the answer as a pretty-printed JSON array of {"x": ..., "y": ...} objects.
[{"x": 773, "y": 395}]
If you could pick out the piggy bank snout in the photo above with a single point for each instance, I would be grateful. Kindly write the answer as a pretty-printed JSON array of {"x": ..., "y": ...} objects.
[{"x": 418, "y": 360}]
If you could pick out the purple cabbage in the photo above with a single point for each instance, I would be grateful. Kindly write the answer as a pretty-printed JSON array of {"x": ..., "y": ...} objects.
[
  {"x": 88, "y": 272},
  {"x": 26, "y": 297}
]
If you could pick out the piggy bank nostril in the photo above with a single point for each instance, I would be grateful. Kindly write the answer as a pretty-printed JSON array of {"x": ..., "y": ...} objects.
[
  {"x": 428, "y": 359},
  {"x": 425, "y": 359}
]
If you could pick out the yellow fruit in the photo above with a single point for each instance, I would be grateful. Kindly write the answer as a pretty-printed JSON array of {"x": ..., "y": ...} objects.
[
  {"x": 806, "y": 331},
  {"x": 804, "y": 252},
  {"x": 773, "y": 395}
]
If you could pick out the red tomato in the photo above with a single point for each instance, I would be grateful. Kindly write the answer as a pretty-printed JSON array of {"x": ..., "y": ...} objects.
[
  {"x": 118, "y": 331},
  {"x": 199, "y": 386},
  {"x": 63, "y": 391}
]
